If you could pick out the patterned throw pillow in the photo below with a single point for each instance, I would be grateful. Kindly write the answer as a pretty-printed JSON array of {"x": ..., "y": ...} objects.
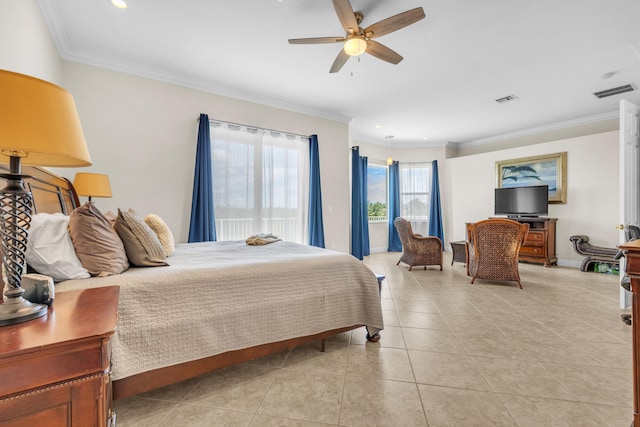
[
  {"x": 163, "y": 232},
  {"x": 140, "y": 242},
  {"x": 97, "y": 246}
]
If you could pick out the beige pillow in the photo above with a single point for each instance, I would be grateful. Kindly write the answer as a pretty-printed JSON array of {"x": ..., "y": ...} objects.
[
  {"x": 140, "y": 242},
  {"x": 111, "y": 217},
  {"x": 163, "y": 232},
  {"x": 97, "y": 246}
]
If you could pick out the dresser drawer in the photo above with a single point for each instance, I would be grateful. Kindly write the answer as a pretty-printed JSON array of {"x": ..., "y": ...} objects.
[
  {"x": 536, "y": 251},
  {"x": 540, "y": 242},
  {"x": 535, "y": 238},
  {"x": 53, "y": 365}
]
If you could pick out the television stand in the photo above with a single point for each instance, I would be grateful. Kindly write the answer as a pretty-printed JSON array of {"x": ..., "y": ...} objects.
[{"x": 540, "y": 244}]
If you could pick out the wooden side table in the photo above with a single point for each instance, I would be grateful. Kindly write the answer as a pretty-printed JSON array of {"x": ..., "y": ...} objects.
[
  {"x": 632, "y": 268},
  {"x": 459, "y": 250},
  {"x": 55, "y": 369}
]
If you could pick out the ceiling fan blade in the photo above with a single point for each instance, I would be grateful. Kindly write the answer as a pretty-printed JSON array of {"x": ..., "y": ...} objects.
[
  {"x": 316, "y": 40},
  {"x": 346, "y": 15},
  {"x": 394, "y": 23},
  {"x": 341, "y": 59},
  {"x": 380, "y": 51}
]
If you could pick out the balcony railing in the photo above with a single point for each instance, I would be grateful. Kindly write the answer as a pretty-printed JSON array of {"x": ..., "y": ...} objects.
[
  {"x": 378, "y": 219},
  {"x": 239, "y": 229}
]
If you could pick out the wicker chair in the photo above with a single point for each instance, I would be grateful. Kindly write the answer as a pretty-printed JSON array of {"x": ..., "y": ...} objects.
[
  {"x": 493, "y": 249},
  {"x": 416, "y": 249}
]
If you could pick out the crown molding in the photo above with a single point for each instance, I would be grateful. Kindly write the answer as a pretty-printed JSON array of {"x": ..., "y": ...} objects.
[
  {"x": 536, "y": 130},
  {"x": 205, "y": 86},
  {"x": 51, "y": 17}
]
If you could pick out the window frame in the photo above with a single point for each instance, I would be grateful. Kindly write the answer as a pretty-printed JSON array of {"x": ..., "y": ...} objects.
[
  {"x": 418, "y": 221},
  {"x": 385, "y": 218},
  {"x": 261, "y": 219}
]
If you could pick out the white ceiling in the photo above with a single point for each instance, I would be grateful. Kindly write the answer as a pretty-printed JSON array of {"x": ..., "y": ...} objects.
[{"x": 463, "y": 56}]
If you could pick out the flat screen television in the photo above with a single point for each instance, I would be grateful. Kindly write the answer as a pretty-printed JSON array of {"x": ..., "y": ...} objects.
[{"x": 529, "y": 201}]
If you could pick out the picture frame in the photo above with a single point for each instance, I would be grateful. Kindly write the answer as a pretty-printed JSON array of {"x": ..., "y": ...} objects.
[{"x": 549, "y": 169}]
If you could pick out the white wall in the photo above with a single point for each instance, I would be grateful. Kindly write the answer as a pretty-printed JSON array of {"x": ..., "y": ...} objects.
[
  {"x": 467, "y": 184},
  {"x": 592, "y": 206},
  {"x": 26, "y": 45},
  {"x": 143, "y": 133}
]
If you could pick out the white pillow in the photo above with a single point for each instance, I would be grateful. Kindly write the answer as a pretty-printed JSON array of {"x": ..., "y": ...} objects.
[{"x": 50, "y": 250}]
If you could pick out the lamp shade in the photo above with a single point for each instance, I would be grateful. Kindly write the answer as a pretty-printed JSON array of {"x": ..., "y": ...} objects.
[
  {"x": 92, "y": 185},
  {"x": 39, "y": 123}
]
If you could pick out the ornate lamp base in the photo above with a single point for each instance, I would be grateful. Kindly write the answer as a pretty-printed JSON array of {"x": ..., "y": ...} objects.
[
  {"x": 17, "y": 310},
  {"x": 15, "y": 218}
]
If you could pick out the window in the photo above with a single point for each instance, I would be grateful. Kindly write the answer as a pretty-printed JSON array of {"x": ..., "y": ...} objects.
[
  {"x": 260, "y": 183},
  {"x": 377, "y": 192},
  {"x": 415, "y": 187}
]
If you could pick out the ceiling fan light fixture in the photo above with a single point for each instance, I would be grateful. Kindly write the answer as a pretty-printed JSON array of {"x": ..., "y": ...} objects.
[
  {"x": 120, "y": 4},
  {"x": 355, "y": 45}
]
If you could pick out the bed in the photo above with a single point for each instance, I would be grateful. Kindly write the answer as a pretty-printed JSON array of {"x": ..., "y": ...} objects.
[{"x": 220, "y": 303}]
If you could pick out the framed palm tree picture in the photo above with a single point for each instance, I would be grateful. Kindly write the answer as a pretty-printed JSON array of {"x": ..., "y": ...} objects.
[{"x": 550, "y": 169}]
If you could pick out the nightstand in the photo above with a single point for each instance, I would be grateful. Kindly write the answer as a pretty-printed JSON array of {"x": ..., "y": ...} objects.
[{"x": 55, "y": 369}]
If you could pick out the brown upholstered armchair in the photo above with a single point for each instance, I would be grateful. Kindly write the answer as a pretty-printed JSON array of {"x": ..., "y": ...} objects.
[
  {"x": 493, "y": 246},
  {"x": 416, "y": 249}
]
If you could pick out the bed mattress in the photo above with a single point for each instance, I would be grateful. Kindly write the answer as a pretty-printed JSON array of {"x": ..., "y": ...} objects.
[{"x": 216, "y": 297}]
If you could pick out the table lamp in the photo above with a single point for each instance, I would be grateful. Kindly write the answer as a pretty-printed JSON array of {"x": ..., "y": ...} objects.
[
  {"x": 39, "y": 125},
  {"x": 92, "y": 185}
]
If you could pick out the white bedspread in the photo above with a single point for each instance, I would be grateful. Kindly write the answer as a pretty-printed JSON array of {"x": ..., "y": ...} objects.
[{"x": 220, "y": 296}]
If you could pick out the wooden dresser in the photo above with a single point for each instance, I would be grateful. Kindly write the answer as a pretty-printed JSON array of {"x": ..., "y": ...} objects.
[
  {"x": 632, "y": 269},
  {"x": 540, "y": 246},
  {"x": 54, "y": 370}
]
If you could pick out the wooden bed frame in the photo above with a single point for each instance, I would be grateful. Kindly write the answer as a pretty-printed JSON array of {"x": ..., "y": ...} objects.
[
  {"x": 172, "y": 374},
  {"x": 53, "y": 194}
]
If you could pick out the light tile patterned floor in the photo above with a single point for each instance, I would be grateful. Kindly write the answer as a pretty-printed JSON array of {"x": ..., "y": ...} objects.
[{"x": 452, "y": 354}]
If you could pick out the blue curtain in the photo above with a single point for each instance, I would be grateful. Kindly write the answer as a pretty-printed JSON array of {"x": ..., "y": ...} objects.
[
  {"x": 394, "y": 206},
  {"x": 364, "y": 164},
  {"x": 435, "y": 210},
  {"x": 316, "y": 227},
  {"x": 359, "y": 211},
  {"x": 202, "y": 227}
]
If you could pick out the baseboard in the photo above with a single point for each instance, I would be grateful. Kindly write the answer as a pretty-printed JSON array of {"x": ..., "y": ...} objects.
[
  {"x": 569, "y": 263},
  {"x": 378, "y": 250}
]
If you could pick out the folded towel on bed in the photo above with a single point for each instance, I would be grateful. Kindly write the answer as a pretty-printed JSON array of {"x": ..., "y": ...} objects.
[{"x": 262, "y": 239}]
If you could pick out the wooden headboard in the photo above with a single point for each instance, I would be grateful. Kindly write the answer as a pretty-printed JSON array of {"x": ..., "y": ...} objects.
[{"x": 51, "y": 193}]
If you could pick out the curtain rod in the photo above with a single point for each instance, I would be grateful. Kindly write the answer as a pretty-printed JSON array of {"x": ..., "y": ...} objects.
[{"x": 254, "y": 127}]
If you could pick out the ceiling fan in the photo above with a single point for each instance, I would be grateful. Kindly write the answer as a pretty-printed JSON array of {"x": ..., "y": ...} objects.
[{"x": 357, "y": 40}]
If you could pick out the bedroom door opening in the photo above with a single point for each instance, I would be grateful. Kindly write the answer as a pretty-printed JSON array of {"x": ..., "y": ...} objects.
[{"x": 629, "y": 176}]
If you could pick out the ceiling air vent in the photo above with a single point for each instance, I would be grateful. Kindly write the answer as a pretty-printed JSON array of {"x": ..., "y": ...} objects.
[
  {"x": 614, "y": 91},
  {"x": 506, "y": 99}
]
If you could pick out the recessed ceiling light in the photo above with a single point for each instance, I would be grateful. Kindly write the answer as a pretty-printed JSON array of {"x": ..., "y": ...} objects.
[
  {"x": 425, "y": 138},
  {"x": 120, "y": 4},
  {"x": 608, "y": 75},
  {"x": 378, "y": 126}
]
